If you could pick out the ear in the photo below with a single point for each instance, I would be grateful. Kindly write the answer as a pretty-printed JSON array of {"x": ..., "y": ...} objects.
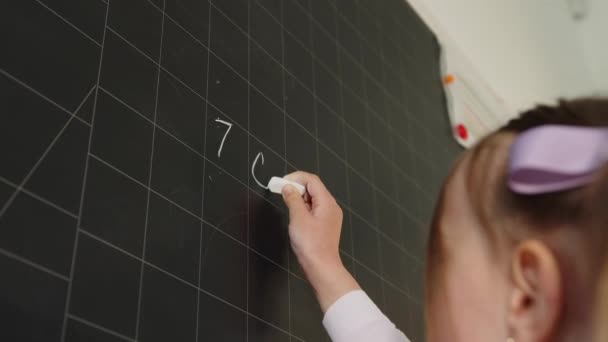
[{"x": 537, "y": 295}]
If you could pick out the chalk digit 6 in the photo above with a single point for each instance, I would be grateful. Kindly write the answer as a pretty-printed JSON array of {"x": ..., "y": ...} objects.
[{"x": 255, "y": 161}]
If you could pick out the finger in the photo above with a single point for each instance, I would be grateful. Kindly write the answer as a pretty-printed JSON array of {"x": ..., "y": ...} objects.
[
  {"x": 308, "y": 201},
  {"x": 294, "y": 201},
  {"x": 307, "y": 198},
  {"x": 308, "y": 207},
  {"x": 319, "y": 195}
]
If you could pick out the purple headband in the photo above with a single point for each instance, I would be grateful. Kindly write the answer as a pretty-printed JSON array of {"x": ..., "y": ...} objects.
[{"x": 554, "y": 158}]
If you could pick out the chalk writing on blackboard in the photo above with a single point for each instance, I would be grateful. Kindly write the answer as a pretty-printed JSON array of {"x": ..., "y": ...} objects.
[
  {"x": 259, "y": 156},
  {"x": 219, "y": 151},
  {"x": 255, "y": 161}
]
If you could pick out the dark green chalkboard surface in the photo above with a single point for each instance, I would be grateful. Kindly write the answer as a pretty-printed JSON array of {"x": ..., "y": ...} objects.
[{"x": 136, "y": 137}]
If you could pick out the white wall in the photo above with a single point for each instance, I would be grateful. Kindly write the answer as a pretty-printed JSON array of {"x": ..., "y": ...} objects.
[
  {"x": 529, "y": 51},
  {"x": 593, "y": 31}
]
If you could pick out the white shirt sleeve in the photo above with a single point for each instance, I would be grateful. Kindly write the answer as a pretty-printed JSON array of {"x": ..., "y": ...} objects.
[{"x": 355, "y": 318}]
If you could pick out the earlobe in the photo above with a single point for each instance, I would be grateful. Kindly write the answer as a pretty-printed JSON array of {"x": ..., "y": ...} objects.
[{"x": 536, "y": 295}]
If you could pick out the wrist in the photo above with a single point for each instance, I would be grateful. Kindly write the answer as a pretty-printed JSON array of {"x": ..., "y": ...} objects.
[
  {"x": 320, "y": 263},
  {"x": 329, "y": 278}
]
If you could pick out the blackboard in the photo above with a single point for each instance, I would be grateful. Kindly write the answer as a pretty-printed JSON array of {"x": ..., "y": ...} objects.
[{"x": 135, "y": 135}]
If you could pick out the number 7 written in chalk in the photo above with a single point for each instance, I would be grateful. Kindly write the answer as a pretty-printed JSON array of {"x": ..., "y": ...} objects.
[{"x": 219, "y": 151}]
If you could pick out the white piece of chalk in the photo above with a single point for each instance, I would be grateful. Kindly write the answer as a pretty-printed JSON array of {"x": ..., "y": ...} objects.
[{"x": 276, "y": 185}]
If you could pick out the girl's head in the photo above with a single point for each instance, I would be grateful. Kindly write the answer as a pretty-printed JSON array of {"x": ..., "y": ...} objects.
[{"x": 505, "y": 265}]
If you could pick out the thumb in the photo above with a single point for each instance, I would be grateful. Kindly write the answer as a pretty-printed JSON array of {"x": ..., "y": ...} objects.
[{"x": 294, "y": 201}]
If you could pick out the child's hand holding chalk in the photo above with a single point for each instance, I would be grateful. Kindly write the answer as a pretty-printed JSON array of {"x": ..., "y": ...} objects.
[{"x": 315, "y": 223}]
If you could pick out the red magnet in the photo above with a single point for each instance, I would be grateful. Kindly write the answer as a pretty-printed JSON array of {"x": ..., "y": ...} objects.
[{"x": 462, "y": 132}]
